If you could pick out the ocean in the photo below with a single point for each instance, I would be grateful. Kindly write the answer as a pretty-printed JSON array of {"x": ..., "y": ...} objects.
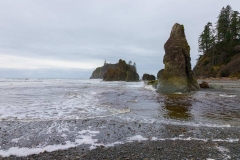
[{"x": 38, "y": 115}]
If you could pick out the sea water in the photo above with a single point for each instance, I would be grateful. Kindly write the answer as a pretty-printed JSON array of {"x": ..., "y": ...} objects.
[{"x": 39, "y": 115}]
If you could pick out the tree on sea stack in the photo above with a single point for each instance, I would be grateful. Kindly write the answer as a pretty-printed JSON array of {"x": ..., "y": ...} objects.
[{"x": 177, "y": 75}]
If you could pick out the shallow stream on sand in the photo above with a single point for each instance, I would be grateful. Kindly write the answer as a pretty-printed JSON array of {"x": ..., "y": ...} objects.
[{"x": 51, "y": 114}]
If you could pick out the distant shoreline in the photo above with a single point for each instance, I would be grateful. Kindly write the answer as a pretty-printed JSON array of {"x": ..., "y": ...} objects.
[
  {"x": 222, "y": 83},
  {"x": 218, "y": 79}
]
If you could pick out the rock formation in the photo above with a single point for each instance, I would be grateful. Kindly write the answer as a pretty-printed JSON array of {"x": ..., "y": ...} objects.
[
  {"x": 159, "y": 73},
  {"x": 122, "y": 72},
  {"x": 204, "y": 85},
  {"x": 100, "y": 71},
  {"x": 177, "y": 75},
  {"x": 148, "y": 77}
]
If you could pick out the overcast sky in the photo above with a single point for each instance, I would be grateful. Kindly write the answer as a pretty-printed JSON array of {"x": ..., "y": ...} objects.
[{"x": 70, "y": 38}]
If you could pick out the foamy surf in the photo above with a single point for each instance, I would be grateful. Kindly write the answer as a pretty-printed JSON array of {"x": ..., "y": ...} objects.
[
  {"x": 90, "y": 137},
  {"x": 141, "y": 138},
  {"x": 229, "y": 96},
  {"x": 149, "y": 87},
  {"x": 83, "y": 137}
]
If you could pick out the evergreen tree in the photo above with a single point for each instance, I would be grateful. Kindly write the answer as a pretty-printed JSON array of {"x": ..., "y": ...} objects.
[
  {"x": 235, "y": 25},
  {"x": 223, "y": 24},
  {"x": 134, "y": 65},
  {"x": 130, "y": 62},
  {"x": 206, "y": 39}
]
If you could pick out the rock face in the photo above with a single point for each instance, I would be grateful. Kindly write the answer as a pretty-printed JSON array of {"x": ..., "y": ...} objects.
[
  {"x": 122, "y": 72},
  {"x": 148, "y": 77},
  {"x": 100, "y": 71},
  {"x": 159, "y": 73},
  {"x": 177, "y": 75}
]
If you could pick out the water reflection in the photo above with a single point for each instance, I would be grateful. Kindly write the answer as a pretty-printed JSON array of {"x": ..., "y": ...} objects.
[{"x": 177, "y": 107}]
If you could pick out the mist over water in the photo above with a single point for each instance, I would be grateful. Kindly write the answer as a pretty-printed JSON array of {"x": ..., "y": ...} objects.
[{"x": 51, "y": 114}]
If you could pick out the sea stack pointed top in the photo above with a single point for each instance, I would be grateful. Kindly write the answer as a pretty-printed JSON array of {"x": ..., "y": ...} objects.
[
  {"x": 177, "y": 30},
  {"x": 177, "y": 75}
]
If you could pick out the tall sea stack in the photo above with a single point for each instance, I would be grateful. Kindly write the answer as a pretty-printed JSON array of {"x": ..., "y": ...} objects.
[{"x": 177, "y": 75}]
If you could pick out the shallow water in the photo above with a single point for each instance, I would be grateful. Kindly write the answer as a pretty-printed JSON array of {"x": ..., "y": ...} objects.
[{"x": 43, "y": 114}]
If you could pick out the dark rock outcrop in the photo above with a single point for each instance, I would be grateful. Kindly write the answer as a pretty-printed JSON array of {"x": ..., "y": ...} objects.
[
  {"x": 148, "y": 77},
  {"x": 100, "y": 71},
  {"x": 204, "y": 85},
  {"x": 177, "y": 75},
  {"x": 159, "y": 73},
  {"x": 122, "y": 72}
]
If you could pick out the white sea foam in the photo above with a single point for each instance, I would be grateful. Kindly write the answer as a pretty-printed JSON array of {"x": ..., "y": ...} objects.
[
  {"x": 16, "y": 140},
  {"x": 226, "y": 140},
  {"x": 113, "y": 144},
  {"x": 137, "y": 138},
  {"x": 154, "y": 139},
  {"x": 29, "y": 151},
  {"x": 149, "y": 87},
  {"x": 224, "y": 152},
  {"x": 84, "y": 137},
  {"x": 193, "y": 139},
  {"x": 225, "y": 95}
]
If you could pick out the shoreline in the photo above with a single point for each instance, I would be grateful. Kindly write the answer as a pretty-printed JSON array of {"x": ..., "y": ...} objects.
[
  {"x": 223, "y": 83},
  {"x": 170, "y": 132},
  {"x": 145, "y": 150},
  {"x": 148, "y": 141},
  {"x": 218, "y": 79}
]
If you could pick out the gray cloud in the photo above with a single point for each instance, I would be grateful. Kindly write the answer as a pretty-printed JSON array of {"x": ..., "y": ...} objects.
[{"x": 89, "y": 31}]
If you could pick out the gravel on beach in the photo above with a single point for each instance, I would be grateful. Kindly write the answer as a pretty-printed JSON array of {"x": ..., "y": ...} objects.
[
  {"x": 216, "y": 146},
  {"x": 147, "y": 150}
]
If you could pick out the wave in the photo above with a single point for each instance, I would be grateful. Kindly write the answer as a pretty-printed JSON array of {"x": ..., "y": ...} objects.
[{"x": 149, "y": 87}]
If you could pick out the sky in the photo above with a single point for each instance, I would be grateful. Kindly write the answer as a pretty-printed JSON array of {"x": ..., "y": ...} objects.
[{"x": 70, "y": 38}]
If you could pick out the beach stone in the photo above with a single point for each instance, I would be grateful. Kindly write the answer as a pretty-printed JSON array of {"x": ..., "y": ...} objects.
[
  {"x": 177, "y": 75},
  {"x": 204, "y": 85}
]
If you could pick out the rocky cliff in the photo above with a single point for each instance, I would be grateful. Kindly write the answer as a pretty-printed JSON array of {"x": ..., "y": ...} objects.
[
  {"x": 122, "y": 72},
  {"x": 177, "y": 75},
  {"x": 100, "y": 71}
]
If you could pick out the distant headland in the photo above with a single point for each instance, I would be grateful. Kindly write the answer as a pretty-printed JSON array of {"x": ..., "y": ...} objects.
[{"x": 120, "y": 71}]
